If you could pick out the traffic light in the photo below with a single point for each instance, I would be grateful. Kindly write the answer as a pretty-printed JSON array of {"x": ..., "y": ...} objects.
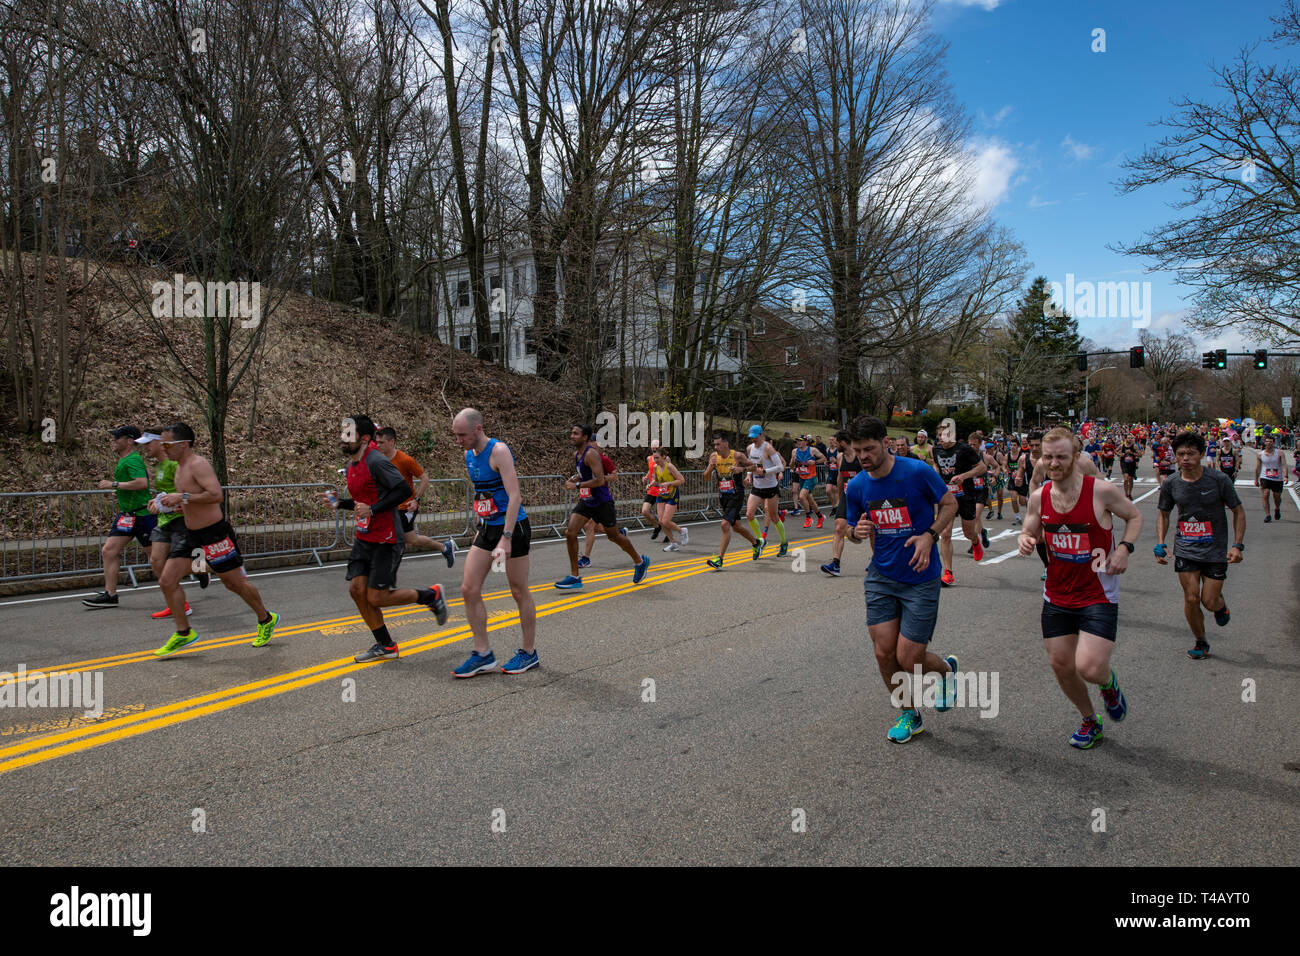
[
  {"x": 1081, "y": 361},
  {"x": 1261, "y": 358},
  {"x": 1220, "y": 358},
  {"x": 1137, "y": 357},
  {"x": 1207, "y": 360}
]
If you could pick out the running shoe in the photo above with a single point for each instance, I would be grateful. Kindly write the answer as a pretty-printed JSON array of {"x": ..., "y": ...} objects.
[
  {"x": 654, "y": 535},
  {"x": 686, "y": 536},
  {"x": 176, "y": 642},
  {"x": 984, "y": 537},
  {"x": 978, "y": 552},
  {"x": 715, "y": 563},
  {"x": 641, "y": 569},
  {"x": 820, "y": 519},
  {"x": 758, "y": 549},
  {"x": 1277, "y": 514},
  {"x": 947, "y": 578},
  {"x": 1200, "y": 651},
  {"x": 906, "y": 727},
  {"x": 1116, "y": 705},
  {"x": 1221, "y": 616},
  {"x": 377, "y": 652},
  {"x": 1087, "y": 734},
  {"x": 833, "y": 569},
  {"x": 159, "y": 615},
  {"x": 947, "y": 696},
  {"x": 102, "y": 599},
  {"x": 793, "y": 511},
  {"x": 522, "y": 661},
  {"x": 988, "y": 514},
  {"x": 436, "y": 603},
  {"x": 477, "y": 664},
  {"x": 569, "y": 583},
  {"x": 267, "y": 630},
  {"x": 584, "y": 562},
  {"x": 1016, "y": 520},
  {"x": 624, "y": 532},
  {"x": 807, "y": 522},
  {"x": 203, "y": 578},
  {"x": 1267, "y": 518},
  {"x": 449, "y": 552},
  {"x": 783, "y": 550},
  {"x": 672, "y": 546}
]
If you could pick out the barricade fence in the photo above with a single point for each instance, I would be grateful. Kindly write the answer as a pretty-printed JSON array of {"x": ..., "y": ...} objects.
[{"x": 57, "y": 534}]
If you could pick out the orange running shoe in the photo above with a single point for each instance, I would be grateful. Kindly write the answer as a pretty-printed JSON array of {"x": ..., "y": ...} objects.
[
  {"x": 820, "y": 519},
  {"x": 807, "y": 522},
  {"x": 947, "y": 577},
  {"x": 979, "y": 552},
  {"x": 166, "y": 612}
]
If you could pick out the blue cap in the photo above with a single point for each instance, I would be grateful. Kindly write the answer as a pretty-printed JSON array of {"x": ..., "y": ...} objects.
[{"x": 755, "y": 431}]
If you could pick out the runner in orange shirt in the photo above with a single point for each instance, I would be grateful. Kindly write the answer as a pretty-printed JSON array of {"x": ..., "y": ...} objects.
[{"x": 386, "y": 442}]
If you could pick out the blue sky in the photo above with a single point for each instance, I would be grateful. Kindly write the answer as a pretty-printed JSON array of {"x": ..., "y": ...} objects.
[{"x": 1052, "y": 121}]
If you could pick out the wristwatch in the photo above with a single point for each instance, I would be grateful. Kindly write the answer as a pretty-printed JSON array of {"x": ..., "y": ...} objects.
[
  {"x": 185, "y": 498},
  {"x": 1129, "y": 545},
  {"x": 115, "y": 486},
  {"x": 507, "y": 534},
  {"x": 1240, "y": 547},
  {"x": 933, "y": 532}
]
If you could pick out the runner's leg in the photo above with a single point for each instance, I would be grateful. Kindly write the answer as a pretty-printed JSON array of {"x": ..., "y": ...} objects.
[
  {"x": 478, "y": 562},
  {"x": 1062, "y": 652}
]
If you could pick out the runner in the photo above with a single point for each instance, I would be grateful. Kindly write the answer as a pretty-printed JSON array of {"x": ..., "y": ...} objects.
[
  {"x": 131, "y": 482},
  {"x": 958, "y": 465},
  {"x": 899, "y": 447},
  {"x": 1162, "y": 456},
  {"x": 765, "y": 467},
  {"x": 376, "y": 489},
  {"x": 729, "y": 465},
  {"x": 806, "y": 460},
  {"x": 161, "y": 538},
  {"x": 849, "y": 469},
  {"x": 923, "y": 448},
  {"x": 1201, "y": 553},
  {"x": 502, "y": 523},
  {"x": 981, "y": 482},
  {"x": 595, "y": 500},
  {"x": 670, "y": 481},
  {"x": 1108, "y": 456},
  {"x": 386, "y": 442},
  {"x": 1038, "y": 475},
  {"x": 1074, "y": 513},
  {"x": 1228, "y": 458},
  {"x": 207, "y": 538},
  {"x": 1129, "y": 455},
  {"x": 1271, "y": 463},
  {"x": 650, "y": 507},
  {"x": 893, "y": 505},
  {"x": 833, "y": 475}
]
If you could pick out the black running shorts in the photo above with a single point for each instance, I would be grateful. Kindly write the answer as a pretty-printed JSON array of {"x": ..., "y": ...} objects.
[{"x": 490, "y": 534}]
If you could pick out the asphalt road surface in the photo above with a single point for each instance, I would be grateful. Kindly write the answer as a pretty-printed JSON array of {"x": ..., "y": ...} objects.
[{"x": 760, "y": 740}]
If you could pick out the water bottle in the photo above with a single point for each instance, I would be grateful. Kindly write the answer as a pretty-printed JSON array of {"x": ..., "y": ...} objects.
[{"x": 333, "y": 498}]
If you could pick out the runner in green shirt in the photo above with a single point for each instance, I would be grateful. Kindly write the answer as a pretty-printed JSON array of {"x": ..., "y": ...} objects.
[{"x": 131, "y": 483}]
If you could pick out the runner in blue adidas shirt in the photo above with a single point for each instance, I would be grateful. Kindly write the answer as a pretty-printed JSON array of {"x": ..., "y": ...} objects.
[{"x": 892, "y": 504}]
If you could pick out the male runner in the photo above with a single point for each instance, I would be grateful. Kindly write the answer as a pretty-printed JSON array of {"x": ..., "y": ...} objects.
[
  {"x": 502, "y": 522},
  {"x": 729, "y": 465},
  {"x": 1227, "y": 459},
  {"x": 410, "y": 470},
  {"x": 1038, "y": 474},
  {"x": 849, "y": 469},
  {"x": 1271, "y": 464},
  {"x": 765, "y": 467},
  {"x": 1162, "y": 456},
  {"x": 1074, "y": 514},
  {"x": 1129, "y": 455},
  {"x": 892, "y": 503},
  {"x": 958, "y": 465},
  {"x": 923, "y": 448},
  {"x": 1201, "y": 553},
  {"x": 208, "y": 539},
  {"x": 805, "y": 464},
  {"x": 169, "y": 523},
  {"x": 376, "y": 489},
  {"x": 595, "y": 500},
  {"x": 981, "y": 482},
  {"x": 131, "y": 482},
  {"x": 900, "y": 447}
]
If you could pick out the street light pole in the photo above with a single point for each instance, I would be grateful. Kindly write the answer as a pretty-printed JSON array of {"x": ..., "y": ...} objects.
[{"x": 1086, "y": 379}]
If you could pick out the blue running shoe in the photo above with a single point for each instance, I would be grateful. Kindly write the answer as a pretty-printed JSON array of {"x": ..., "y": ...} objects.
[
  {"x": 476, "y": 664},
  {"x": 569, "y": 583},
  {"x": 584, "y": 562},
  {"x": 948, "y": 686},
  {"x": 783, "y": 550},
  {"x": 1200, "y": 652},
  {"x": 641, "y": 569},
  {"x": 1116, "y": 705},
  {"x": 1087, "y": 734},
  {"x": 758, "y": 549},
  {"x": 522, "y": 661},
  {"x": 1221, "y": 616},
  {"x": 833, "y": 569},
  {"x": 449, "y": 552},
  {"x": 906, "y": 727}
]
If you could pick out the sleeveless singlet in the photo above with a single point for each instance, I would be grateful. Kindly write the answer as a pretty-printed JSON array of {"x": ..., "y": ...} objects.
[
  {"x": 1077, "y": 546},
  {"x": 724, "y": 468},
  {"x": 490, "y": 498},
  {"x": 667, "y": 494},
  {"x": 1270, "y": 466}
]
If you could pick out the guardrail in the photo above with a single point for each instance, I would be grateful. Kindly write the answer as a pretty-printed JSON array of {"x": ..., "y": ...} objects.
[{"x": 56, "y": 534}]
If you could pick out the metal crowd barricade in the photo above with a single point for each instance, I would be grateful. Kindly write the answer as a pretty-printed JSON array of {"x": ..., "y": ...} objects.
[
  {"x": 446, "y": 511},
  {"x": 272, "y": 520}
]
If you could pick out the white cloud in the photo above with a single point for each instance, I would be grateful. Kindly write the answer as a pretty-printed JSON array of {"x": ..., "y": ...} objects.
[
  {"x": 982, "y": 4},
  {"x": 997, "y": 119},
  {"x": 1036, "y": 203},
  {"x": 1079, "y": 152},
  {"x": 994, "y": 164}
]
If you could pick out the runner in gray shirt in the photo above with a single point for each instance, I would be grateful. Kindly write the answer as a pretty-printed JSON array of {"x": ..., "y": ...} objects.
[{"x": 1201, "y": 553}]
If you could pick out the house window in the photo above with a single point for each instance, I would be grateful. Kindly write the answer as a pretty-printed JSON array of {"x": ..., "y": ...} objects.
[
  {"x": 760, "y": 325},
  {"x": 661, "y": 377},
  {"x": 466, "y": 343},
  {"x": 462, "y": 293},
  {"x": 791, "y": 355},
  {"x": 661, "y": 336},
  {"x": 530, "y": 341},
  {"x": 609, "y": 334},
  {"x": 733, "y": 344},
  {"x": 519, "y": 343},
  {"x": 795, "y": 383}
]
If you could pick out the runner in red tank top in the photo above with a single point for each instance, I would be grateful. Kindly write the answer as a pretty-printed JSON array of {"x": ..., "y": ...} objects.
[{"x": 1073, "y": 515}]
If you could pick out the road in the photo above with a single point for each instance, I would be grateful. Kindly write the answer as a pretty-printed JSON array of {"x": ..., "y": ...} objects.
[{"x": 764, "y": 741}]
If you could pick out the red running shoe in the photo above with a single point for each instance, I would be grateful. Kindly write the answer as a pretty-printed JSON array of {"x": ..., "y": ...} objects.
[
  {"x": 166, "y": 612},
  {"x": 979, "y": 552},
  {"x": 820, "y": 519},
  {"x": 807, "y": 522},
  {"x": 947, "y": 577}
]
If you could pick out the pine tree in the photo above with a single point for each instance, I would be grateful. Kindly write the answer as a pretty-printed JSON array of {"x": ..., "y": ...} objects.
[{"x": 1047, "y": 340}]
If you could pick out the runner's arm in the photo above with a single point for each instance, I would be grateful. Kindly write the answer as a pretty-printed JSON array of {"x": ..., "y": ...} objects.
[
  {"x": 393, "y": 489},
  {"x": 713, "y": 460},
  {"x": 1238, "y": 524},
  {"x": 1119, "y": 505},
  {"x": 424, "y": 483},
  {"x": 1033, "y": 527},
  {"x": 597, "y": 470},
  {"x": 678, "y": 480},
  {"x": 210, "y": 487},
  {"x": 504, "y": 463}
]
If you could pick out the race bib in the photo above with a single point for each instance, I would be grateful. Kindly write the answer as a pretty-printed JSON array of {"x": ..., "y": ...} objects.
[
  {"x": 890, "y": 517},
  {"x": 726, "y": 485},
  {"x": 363, "y": 524},
  {"x": 1226, "y": 461},
  {"x": 584, "y": 493},
  {"x": 1195, "y": 530},
  {"x": 1069, "y": 546},
  {"x": 221, "y": 549},
  {"x": 125, "y": 522},
  {"x": 979, "y": 482},
  {"x": 1272, "y": 473},
  {"x": 485, "y": 507},
  {"x": 804, "y": 471},
  {"x": 955, "y": 489}
]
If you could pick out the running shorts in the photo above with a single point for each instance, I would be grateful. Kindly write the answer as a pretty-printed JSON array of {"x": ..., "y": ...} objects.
[
  {"x": 765, "y": 492},
  {"x": 1100, "y": 619},
  {"x": 731, "y": 507},
  {"x": 603, "y": 514},
  {"x": 220, "y": 546},
  {"x": 490, "y": 534},
  {"x": 408, "y": 520},
  {"x": 376, "y": 562},
  {"x": 914, "y": 606},
  {"x": 1214, "y": 570},
  {"x": 139, "y": 527},
  {"x": 651, "y": 499},
  {"x": 1267, "y": 484},
  {"x": 967, "y": 506}
]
